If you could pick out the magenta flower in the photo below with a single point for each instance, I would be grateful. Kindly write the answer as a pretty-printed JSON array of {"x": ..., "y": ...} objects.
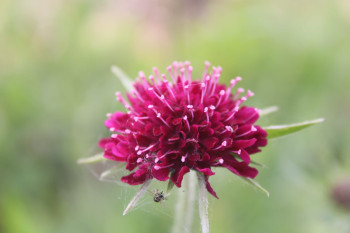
[{"x": 173, "y": 127}]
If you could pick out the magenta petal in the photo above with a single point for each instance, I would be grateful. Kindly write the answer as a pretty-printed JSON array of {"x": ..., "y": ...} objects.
[
  {"x": 245, "y": 156},
  {"x": 243, "y": 143},
  {"x": 161, "y": 174},
  {"x": 206, "y": 171},
  {"x": 177, "y": 177},
  {"x": 209, "y": 188},
  {"x": 246, "y": 115},
  {"x": 209, "y": 142}
]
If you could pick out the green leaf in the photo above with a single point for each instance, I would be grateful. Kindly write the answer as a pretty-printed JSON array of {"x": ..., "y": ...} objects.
[
  {"x": 93, "y": 159},
  {"x": 170, "y": 186},
  {"x": 124, "y": 79},
  {"x": 281, "y": 130},
  {"x": 255, "y": 163},
  {"x": 268, "y": 110},
  {"x": 255, "y": 184}
]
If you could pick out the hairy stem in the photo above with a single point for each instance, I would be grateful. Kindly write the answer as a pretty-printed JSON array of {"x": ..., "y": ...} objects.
[
  {"x": 184, "y": 208},
  {"x": 203, "y": 203},
  {"x": 137, "y": 197}
]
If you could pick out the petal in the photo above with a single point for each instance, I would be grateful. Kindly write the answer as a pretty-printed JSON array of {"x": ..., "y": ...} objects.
[
  {"x": 206, "y": 171},
  {"x": 245, "y": 156},
  {"x": 209, "y": 188},
  {"x": 161, "y": 174},
  {"x": 110, "y": 156},
  {"x": 209, "y": 143},
  {"x": 134, "y": 179},
  {"x": 243, "y": 143},
  {"x": 246, "y": 115},
  {"x": 177, "y": 177}
]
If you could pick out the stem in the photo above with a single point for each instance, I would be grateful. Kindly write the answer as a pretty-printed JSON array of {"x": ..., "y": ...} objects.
[
  {"x": 137, "y": 196},
  {"x": 184, "y": 208},
  {"x": 203, "y": 203}
]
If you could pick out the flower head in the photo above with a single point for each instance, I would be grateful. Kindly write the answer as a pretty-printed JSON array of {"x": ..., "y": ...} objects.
[{"x": 172, "y": 127}]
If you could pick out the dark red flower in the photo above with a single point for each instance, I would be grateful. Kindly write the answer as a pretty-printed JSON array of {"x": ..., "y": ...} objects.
[{"x": 173, "y": 127}]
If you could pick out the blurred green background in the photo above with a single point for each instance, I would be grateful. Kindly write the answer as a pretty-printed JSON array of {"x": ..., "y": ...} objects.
[{"x": 56, "y": 87}]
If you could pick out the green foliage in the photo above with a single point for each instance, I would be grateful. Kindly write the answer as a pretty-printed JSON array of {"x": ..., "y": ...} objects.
[{"x": 282, "y": 130}]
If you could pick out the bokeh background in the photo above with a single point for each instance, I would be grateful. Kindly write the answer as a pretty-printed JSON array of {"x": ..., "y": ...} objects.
[{"x": 56, "y": 87}]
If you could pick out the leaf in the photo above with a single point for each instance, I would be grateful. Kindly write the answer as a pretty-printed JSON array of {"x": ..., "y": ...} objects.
[
  {"x": 124, "y": 79},
  {"x": 255, "y": 184},
  {"x": 257, "y": 163},
  {"x": 281, "y": 130},
  {"x": 170, "y": 186},
  {"x": 268, "y": 110},
  {"x": 93, "y": 159},
  {"x": 137, "y": 196}
]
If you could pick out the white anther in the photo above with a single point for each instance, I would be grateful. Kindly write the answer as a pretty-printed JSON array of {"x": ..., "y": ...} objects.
[
  {"x": 162, "y": 97},
  {"x": 139, "y": 160},
  {"x": 137, "y": 148},
  {"x": 222, "y": 92},
  {"x": 229, "y": 128},
  {"x": 114, "y": 135},
  {"x": 254, "y": 129},
  {"x": 139, "y": 152},
  {"x": 224, "y": 143},
  {"x": 183, "y": 158},
  {"x": 206, "y": 109},
  {"x": 111, "y": 129},
  {"x": 185, "y": 117},
  {"x": 150, "y": 106},
  {"x": 189, "y": 106},
  {"x": 108, "y": 114},
  {"x": 158, "y": 115},
  {"x": 212, "y": 107},
  {"x": 127, "y": 131},
  {"x": 157, "y": 167},
  {"x": 221, "y": 161}
]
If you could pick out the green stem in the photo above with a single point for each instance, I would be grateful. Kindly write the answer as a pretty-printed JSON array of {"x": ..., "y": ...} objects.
[
  {"x": 184, "y": 208},
  {"x": 203, "y": 203}
]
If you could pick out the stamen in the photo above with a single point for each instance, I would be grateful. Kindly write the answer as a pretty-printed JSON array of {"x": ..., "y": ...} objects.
[
  {"x": 139, "y": 160},
  {"x": 207, "y": 64},
  {"x": 239, "y": 91},
  {"x": 171, "y": 74},
  {"x": 114, "y": 135},
  {"x": 157, "y": 167},
  {"x": 203, "y": 86},
  {"x": 187, "y": 123},
  {"x": 253, "y": 129},
  {"x": 223, "y": 144},
  {"x": 123, "y": 101},
  {"x": 161, "y": 118},
  {"x": 220, "y": 161},
  {"x": 235, "y": 110},
  {"x": 206, "y": 113},
  {"x": 146, "y": 149},
  {"x": 156, "y": 74},
  {"x": 108, "y": 114},
  {"x": 183, "y": 158},
  {"x": 127, "y": 131},
  {"x": 136, "y": 93},
  {"x": 168, "y": 86},
  {"x": 221, "y": 93},
  {"x": 186, "y": 87}
]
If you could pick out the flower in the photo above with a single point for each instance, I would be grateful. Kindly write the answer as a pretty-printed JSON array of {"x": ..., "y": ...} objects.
[{"x": 172, "y": 127}]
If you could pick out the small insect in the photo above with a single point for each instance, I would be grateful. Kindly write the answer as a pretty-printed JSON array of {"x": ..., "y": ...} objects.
[{"x": 159, "y": 196}]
